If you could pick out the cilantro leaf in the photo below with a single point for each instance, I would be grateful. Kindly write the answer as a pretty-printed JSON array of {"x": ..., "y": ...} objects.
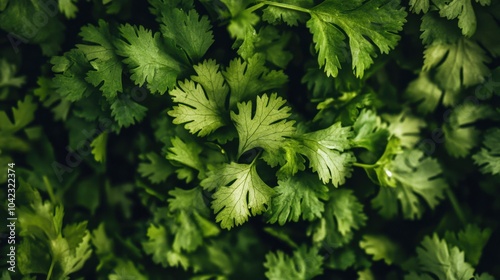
[
  {"x": 8, "y": 75},
  {"x": 71, "y": 69},
  {"x": 126, "y": 270},
  {"x": 192, "y": 224},
  {"x": 157, "y": 169},
  {"x": 418, "y": 6},
  {"x": 23, "y": 115},
  {"x": 297, "y": 196},
  {"x": 304, "y": 264},
  {"x": 465, "y": 13},
  {"x": 42, "y": 225},
  {"x": 186, "y": 153},
  {"x": 240, "y": 192},
  {"x": 458, "y": 61},
  {"x": 424, "y": 92},
  {"x": 99, "y": 147},
  {"x": 158, "y": 245},
  {"x": 201, "y": 105},
  {"x": 460, "y": 137},
  {"x": 325, "y": 151},
  {"x": 343, "y": 214},
  {"x": 101, "y": 54},
  {"x": 68, "y": 7},
  {"x": 148, "y": 59},
  {"x": 126, "y": 111},
  {"x": 267, "y": 128},
  {"x": 406, "y": 127},
  {"x": 381, "y": 248},
  {"x": 247, "y": 79},
  {"x": 277, "y": 14},
  {"x": 438, "y": 258},
  {"x": 471, "y": 240},
  {"x": 370, "y": 131},
  {"x": 189, "y": 31},
  {"x": 488, "y": 158},
  {"x": 368, "y": 25},
  {"x": 409, "y": 174}
]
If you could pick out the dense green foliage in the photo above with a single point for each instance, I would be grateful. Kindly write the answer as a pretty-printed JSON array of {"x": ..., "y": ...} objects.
[{"x": 252, "y": 139}]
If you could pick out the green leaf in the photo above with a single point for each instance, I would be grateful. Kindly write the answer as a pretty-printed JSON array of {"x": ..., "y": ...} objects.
[
  {"x": 71, "y": 70},
  {"x": 158, "y": 245},
  {"x": 406, "y": 127},
  {"x": 465, "y": 13},
  {"x": 126, "y": 111},
  {"x": 249, "y": 78},
  {"x": 407, "y": 177},
  {"x": 100, "y": 52},
  {"x": 438, "y": 258},
  {"x": 367, "y": 25},
  {"x": 99, "y": 147},
  {"x": 157, "y": 169},
  {"x": 126, "y": 270},
  {"x": 8, "y": 73},
  {"x": 370, "y": 131},
  {"x": 460, "y": 136},
  {"x": 148, "y": 58},
  {"x": 488, "y": 158},
  {"x": 458, "y": 62},
  {"x": 424, "y": 92},
  {"x": 298, "y": 196},
  {"x": 471, "y": 240},
  {"x": 343, "y": 214},
  {"x": 240, "y": 193},
  {"x": 325, "y": 151},
  {"x": 68, "y": 7},
  {"x": 304, "y": 264},
  {"x": 201, "y": 105},
  {"x": 276, "y": 14},
  {"x": 189, "y": 31},
  {"x": 23, "y": 115},
  {"x": 266, "y": 128},
  {"x": 186, "y": 153},
  {"x": 418, "y": 6},
  {"x": 192, "y": 223},
  {"x": 381, "y": 248}
]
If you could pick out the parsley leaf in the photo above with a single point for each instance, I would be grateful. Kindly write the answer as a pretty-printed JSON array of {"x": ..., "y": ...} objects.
[{"x": 239, "y": 192}]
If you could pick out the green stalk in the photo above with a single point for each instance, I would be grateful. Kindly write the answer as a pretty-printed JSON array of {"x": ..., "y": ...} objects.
[
  {"x": 50, "y": 190},
  {"x": 49, "y": 274},
  {"x": 276, "y": 4},
  {"x": 456, "y": 206}
]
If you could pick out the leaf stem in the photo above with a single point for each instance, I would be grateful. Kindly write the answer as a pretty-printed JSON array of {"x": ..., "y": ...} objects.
[
  {"x": 287, "y": 6},
  {"x": 277, "y": 4},
  {"x": 364, "y": 165},
  {"x": 456, "y": 206},
  {"x": 50, "y": 190},
  {"x": 49, "y": 274}
]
